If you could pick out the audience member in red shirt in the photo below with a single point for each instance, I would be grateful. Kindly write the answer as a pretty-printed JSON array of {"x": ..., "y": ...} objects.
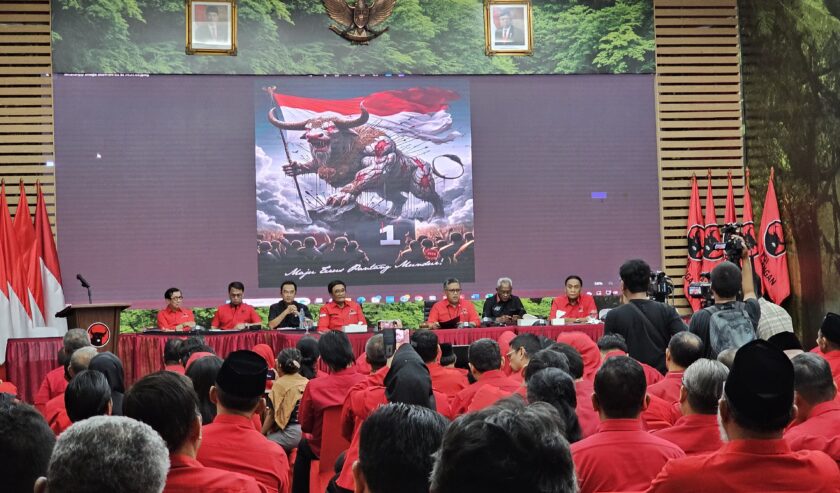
[
  {"x": 231, "y": 442},
  {"x": 817, "y": 422},
  {"x": 166, "y": 401},
  {"x": 588, "y": 351},
  {"x": 696, "y": 431},
  {"x": 574, "y": 305},
  {"x": 485, "y": 365},
  {"x": 621, "y": 456},
  {"x": 375, "y": 377},
  {"x": 88, "y": 394},
  {"x": 683, "y": 349},
  {"x": 522, "y": 348},
  {"x": 448, "y": 381},
  {"x": 495, "y": 450},
  {"x": 452, "y": 311},
  {"x": 172, "y": 356},
  {"x": 504, "y": 346},
  {"x": 174, "y": 317},
  {"x": 321, "y": 393},
  {"x": 757, "y": 404},
  {"x": 615, "y": 345},
  {"x": 235, "y": 315},
  {"x": 26, "y": 443},
  {"x": 8, "y": 388},
  {"x": 586, "y": 414},
  {"x": 554, "y": 386},
  {"x": 828, "y": 342},
  {"x": 341, "y": 310},
  {"x": 56, "y": 380},
  {"x": 56, "y": 412}
]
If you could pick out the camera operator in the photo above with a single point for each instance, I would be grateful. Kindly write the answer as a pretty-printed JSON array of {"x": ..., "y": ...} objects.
[
  {"x": 727, "y": 323},
  {"x": 646, "y": 325}
]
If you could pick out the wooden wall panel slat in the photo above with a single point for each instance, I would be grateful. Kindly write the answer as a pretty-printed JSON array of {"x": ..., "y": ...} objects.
[{"x": 698, "y": 114}]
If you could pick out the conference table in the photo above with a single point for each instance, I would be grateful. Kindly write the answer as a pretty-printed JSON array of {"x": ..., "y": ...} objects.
[{"x": 29, "y": 360}]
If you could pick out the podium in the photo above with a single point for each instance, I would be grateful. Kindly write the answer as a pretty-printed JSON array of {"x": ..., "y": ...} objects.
[{"x": 101, "y": 321}]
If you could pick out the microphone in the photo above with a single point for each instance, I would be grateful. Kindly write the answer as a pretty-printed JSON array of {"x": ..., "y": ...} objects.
[{"x": 82, "y": 280}]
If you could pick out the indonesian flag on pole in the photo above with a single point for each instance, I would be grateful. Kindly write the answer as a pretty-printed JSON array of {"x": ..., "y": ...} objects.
[
  {"x": 711, "y": 256},
  {"x": 25, "y": 232},
  {"x": 748, "y": 229},
  {"x": 695, "y": 234},
  {"x": 47, "y": 257},
  {"x": 729, "y": 212},
  {"x": 775, "y": 277},
  {"x": 416, "y": 113},
  {"x": 19, "y": 309}
]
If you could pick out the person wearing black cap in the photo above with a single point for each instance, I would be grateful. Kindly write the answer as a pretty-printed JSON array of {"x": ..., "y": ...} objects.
[
  {"x": 828, "y": 339},
  {"x": 756, "y": 406},
  {"x": 231, "y": 442}
]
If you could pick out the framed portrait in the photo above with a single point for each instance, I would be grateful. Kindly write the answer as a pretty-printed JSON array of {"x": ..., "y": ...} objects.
[
  {"x": 211, "y": 27},
  {"x": 508, "y": 27}
]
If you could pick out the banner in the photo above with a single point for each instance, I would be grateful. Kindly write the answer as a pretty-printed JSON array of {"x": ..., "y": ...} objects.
[
  {"x": 775, "y": 279},
  {"x": 711, "y": 255},
  {"x": 748, "y": 231},
  {"x": 370, "y": 187},
  {"x": 695, "y": 234}
]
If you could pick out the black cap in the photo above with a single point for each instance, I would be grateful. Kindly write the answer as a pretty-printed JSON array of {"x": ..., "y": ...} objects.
[
  {"x": 243, "y": 374},
  {"x": 760, "y": 383},
  {"x": 830, "y": 327},
  {"x": 785, "y": 341}
]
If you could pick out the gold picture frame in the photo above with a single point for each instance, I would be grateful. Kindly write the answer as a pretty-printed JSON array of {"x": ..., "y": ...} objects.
[
  {"x": 508, "y": 27},
  {"x": 211, "y": 27}
]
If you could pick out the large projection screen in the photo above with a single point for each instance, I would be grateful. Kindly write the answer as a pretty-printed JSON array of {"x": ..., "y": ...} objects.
[{"x": 156, "y": 182}]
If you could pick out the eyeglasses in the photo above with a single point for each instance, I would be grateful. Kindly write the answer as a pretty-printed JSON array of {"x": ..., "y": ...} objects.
[
  {"x": 453, "y": 290},
  {"x": 177, "y": 298}
]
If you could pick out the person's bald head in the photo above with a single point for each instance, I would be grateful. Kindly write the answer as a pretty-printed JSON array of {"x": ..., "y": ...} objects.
[
  {"x": 75, "y": 339},
  {"x": 80, "y": 360}
]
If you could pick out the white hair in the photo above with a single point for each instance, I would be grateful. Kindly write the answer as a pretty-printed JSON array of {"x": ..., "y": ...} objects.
[
  {"x": 504, "y": 280},
  {"x": 108, "y": 453}
]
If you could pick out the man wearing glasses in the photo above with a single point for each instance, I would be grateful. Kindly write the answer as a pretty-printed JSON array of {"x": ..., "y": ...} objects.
[
  {"x": 504, "y": 308},
  {"x": 173, "y": 317},
  {"x": 235, "y": 315},
  {"x": 452, "y": 311}
]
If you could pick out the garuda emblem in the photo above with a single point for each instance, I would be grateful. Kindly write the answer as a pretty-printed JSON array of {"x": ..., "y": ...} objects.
[{"x": 356, "y": 21}]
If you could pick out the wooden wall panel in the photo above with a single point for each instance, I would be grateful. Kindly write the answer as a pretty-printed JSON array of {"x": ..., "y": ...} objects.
[
  {"x": 698, "y": 115},
  {"x": 26, "y": 106}
]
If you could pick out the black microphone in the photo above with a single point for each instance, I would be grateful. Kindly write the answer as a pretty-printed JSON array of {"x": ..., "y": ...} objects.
[{"x": 82, "y": 280}]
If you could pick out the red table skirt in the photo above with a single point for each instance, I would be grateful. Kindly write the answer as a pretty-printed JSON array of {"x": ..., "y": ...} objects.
[{"x": 29, "y": 360}]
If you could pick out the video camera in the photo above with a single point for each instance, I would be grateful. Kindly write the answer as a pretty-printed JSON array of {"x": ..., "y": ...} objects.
[
  {"x": 733, "y": 248},
  {"x": 660, "y": 287},
  {"x": 702, "y": 290}
]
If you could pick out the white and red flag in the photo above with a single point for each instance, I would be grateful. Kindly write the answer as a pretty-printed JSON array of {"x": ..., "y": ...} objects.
[
  {"x": 18, "y": 317},
  {"x": 49, "y": 269},
  {"x": 25, "y": 232},
  {"x": 774, "y": 278}
]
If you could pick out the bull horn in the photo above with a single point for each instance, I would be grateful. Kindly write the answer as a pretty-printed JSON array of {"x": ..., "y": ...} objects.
[
  {"x": 361, "y": 120},
  {"x": 284, "y": 125}
]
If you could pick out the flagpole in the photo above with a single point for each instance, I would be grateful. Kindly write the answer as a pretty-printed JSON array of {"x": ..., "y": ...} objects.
[{"x": 294, "y": 177}]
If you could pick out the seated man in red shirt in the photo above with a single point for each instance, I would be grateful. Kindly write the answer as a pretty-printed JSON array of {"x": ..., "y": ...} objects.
[
  {"x": 621, "y": 456},
  {"x": 235, "y": 315},
  {"x": 88, "y": 394},
  {"x": 323, "y": 392},
  {"x": 167, "y": 402},
  {"x": 172, "y": 356},
  {"x": 817, "y": 422},
  {"x": 453, "y": 311},
  {"x": 341, "y": 310},
  {"x": 497, "y": 450},
  {"x": 485, "y": 365},
  {"x": 55, "y": 409},
  {"x": 575, "y": 305},
  {"x": 587, "y": 416},
  {"x": 696, "y": 431},
  {"x": 828, "y": 340},
  {"x": 230, "y": 442},
  {"x": 615, "y": 345},
  {"x": 446, "y": 380},
  {"x": 683, "y": 349},
  {"x": 173, "y": 317},
  {"x": 56, "y": 380},
  {"x": 756, "y": 406},
  {"x": 522, "y": 347}
]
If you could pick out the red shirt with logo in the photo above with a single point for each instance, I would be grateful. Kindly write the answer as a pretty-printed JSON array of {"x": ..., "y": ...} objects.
[
  {"x": 229, "y": 316},
  {"x": 580, "y": 308},
  {"x": 169, "y": 318},
  {"x": 443, "y": 311},
  {"x": 334, "y": 317}
]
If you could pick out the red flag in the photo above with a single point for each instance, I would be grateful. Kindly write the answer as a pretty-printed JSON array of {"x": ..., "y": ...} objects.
[
  {"x": 695, "y": 234},
  {"x": 49, "y": 268},
  {"x": 729, "y": 212},
  {"x": 19, "y": 310},
  {"x": 775, "y": 277},
  {"x": 748, "y": 230},
  {"x": 25, "y": 232},
  {"x": 711, "y": 255}
]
